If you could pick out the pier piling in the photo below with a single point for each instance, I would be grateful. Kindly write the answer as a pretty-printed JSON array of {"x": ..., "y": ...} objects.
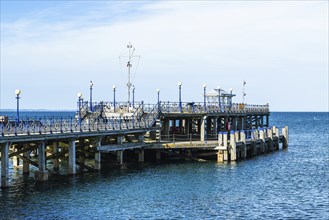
[{"x": 5, "y": 165}]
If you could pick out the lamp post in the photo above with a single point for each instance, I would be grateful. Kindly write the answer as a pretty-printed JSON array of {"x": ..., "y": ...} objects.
[
  {"x": 158, "y": 91},
  {"x": 114, "y": 87},
  {"x": 79, "y": 106},
  {"x": 91, "y": 95},
  {"x": 133, "y": 96},
  {"x": 180, "y": 96},
  {"x": 231, "y": 90},
  {"x": 219, "y": 105},
  {"x": 204, "y": 97},
  {"x": 17, "y": 92}
]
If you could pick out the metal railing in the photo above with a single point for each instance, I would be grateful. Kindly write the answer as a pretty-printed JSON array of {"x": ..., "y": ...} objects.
[
  {"x": 55, "y": 125},
  {"x": 198, "y": 107}
]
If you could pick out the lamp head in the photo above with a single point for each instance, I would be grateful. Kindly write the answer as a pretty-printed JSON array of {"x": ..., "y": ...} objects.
[
  {"x": 231, "y": 90},
  {"x": 18, "y": 92},
  {"x": 204, "y": 85},
  {"x": 79, "y": 95},
  {"x": 114, "y": 87},
  {"x": 180, "y": 83},
  {"x": 91, "y": 84},
  {"x": 158, "y": 90}
]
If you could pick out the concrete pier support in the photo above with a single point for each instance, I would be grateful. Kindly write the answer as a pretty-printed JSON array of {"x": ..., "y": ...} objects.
[
  {"x": 233, "y": 146},
  {"x": 244, "y": 146},
  {"x": 286, "y": 137},
  {"x": 15, "y": 160},
  {"x": 120, "y": 157},
  {"x": 141, "y": 156},
  {"x": 225, "y": 146},
  {"x": 270, "y": 135},
  {"x": 277, "y": 133},
  {"x": 5, "y": 165},
  {"x": 254, "y": 135},
  {"x": 72, "y": 157},
  {"x": 262, "y": 138},
  {"x": 42, "y": 173},
  {"x": 26, "y": 164},
  {"x": 55, "y": 160},
  {"x": 98, "y": 157},
  {"x": 203, "y": 129}
]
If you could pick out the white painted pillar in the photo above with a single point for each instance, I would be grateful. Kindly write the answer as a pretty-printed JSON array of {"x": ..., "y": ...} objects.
[
  {"x": 225, "y": 146},
  {"x": 286, "y": 137},
  {"x": 15, "y": 160},
  {"x": 72, "y": 157},
  {"x": 233, "y": 146},
  {"x": 270, "y": 135},
  {"x": 262, "y": 138},
  {"x": 98, "y": 157},
  {"x": 203, "y": 127},
  {"x": 5, "y": 165}
]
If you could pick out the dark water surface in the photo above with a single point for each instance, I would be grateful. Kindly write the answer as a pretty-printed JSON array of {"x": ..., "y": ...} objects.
[{"x": 289, "y": 184}]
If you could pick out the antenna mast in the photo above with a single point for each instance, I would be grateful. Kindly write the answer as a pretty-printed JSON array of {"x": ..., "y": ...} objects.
[
  {"x": 129, "y": 65},
  {"x": 243, "y": 90}
]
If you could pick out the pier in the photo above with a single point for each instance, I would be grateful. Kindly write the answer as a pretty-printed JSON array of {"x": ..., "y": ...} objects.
[{"x": 110, "y": 132}]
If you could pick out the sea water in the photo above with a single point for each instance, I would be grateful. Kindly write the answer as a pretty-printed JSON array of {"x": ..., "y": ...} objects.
[{"x": 287, "y": 184}]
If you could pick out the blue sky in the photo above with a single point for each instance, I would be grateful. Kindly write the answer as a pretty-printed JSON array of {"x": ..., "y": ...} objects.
[{"x": 52, "y": 49}]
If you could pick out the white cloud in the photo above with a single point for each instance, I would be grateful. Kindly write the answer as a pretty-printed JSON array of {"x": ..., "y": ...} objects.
[{"x": 270, "y": 44}]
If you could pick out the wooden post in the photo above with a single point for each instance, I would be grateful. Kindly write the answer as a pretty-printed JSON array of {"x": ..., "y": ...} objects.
[
  {"x": 120, "y": 157},
  {"x": 5, "y": 165},
  {"x": 286, "y": 137},
  {"x": 233, "y": 146}
]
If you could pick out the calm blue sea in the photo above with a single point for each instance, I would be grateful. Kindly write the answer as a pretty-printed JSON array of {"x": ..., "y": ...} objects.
[{"x": 289, "y": 184}]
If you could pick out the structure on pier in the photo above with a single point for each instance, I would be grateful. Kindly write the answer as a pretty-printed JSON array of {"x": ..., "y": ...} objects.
[
  {"x": 143, "y": 130},
  {"x": 120, "y": 131}
]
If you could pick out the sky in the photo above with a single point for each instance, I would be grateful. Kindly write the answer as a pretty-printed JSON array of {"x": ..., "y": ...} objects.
[{"x": 50, "y": 50}]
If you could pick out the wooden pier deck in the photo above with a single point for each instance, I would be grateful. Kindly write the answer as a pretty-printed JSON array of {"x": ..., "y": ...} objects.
[{"x": 146, "y": 129}]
